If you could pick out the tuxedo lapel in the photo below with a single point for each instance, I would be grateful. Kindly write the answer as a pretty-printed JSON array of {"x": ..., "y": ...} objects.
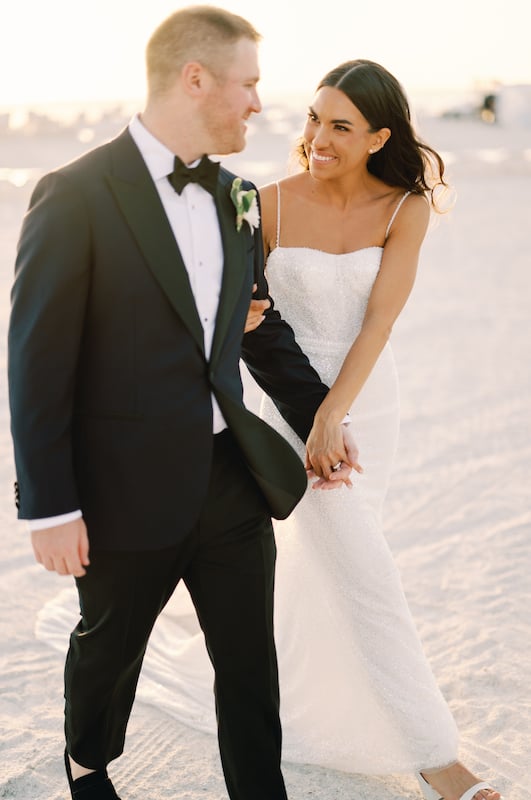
[
  {"x": 235, "y": 247},
  {"x": 140, "y": 204}
]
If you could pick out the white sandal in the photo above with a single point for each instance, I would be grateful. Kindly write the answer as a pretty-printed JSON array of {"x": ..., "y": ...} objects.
[{"x": 432, "y": 794}]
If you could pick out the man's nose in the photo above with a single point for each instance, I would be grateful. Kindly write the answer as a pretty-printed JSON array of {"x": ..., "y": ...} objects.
[{"x": 256, "y": 104}]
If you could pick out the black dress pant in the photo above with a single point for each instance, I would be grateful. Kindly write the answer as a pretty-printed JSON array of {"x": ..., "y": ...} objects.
[{"x": 227, "y": 563}]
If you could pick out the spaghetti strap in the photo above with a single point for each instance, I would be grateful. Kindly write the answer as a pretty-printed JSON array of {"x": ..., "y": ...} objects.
[
  {"x": 278, "y": 214},
  {"x": 395, "y": 212}
]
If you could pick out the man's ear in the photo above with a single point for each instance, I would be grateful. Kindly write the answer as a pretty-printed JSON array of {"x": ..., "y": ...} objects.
[{"x": 194, "y": 77}]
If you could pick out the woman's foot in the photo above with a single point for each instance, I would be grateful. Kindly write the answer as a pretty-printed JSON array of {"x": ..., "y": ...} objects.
[{"x": 453, "y": 782}]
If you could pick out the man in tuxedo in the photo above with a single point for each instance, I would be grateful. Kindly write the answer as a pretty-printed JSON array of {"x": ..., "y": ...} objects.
[{"x": 133, "y": 281}]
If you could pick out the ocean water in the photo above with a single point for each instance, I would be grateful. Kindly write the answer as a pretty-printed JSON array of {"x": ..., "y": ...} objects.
[
  {"x": 431, "y": 101},
  {"x": 37, "y": 138}
]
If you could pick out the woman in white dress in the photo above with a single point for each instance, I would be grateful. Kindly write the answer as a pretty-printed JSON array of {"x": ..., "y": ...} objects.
[{"x": 342, "y": 239}]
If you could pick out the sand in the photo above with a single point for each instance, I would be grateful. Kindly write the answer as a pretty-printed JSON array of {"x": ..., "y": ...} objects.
[{"x": 458, "y": 515}]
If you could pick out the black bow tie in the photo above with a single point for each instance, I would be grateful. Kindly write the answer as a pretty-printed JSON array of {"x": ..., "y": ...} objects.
[{"x": 205, "y": 174}]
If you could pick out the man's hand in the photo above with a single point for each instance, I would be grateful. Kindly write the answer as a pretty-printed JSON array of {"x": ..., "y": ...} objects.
[
  {"x": 336, "y": 480},
  {"x": 339, "y": 473},
  {"x": 255, "y": 315},
  {"x": 63, "y": 549}
]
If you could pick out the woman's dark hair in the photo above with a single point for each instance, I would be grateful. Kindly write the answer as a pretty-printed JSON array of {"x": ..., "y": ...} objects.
[{"x": 404, "y": 161}]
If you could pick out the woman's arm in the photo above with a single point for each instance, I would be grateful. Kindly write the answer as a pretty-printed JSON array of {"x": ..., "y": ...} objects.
[
  {"x": 389, "y": 294},
  {"x": 268, "y": 204},
  {"x": 268, "y": 208}
]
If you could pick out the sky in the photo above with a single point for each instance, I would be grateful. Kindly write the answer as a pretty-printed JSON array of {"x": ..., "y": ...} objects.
[{"x": 67, "y": 51}]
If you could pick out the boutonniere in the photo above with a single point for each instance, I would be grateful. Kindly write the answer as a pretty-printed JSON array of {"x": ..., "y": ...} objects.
[{"x": 246, "y": 205}]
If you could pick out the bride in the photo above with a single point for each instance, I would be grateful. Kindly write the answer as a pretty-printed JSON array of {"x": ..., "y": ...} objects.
[{"x": 342, "y": 238}]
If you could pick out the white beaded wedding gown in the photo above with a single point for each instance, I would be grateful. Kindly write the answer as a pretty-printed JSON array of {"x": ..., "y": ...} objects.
[{"x": 357, "y": 693}]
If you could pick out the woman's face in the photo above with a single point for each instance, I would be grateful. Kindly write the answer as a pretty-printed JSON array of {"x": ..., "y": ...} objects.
[{"x": 337, "y": 136}]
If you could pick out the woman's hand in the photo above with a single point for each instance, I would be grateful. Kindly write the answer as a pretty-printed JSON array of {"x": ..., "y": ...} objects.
[
  {"x": 255, "y": 315},
  {"x": 322, "y": 449}
]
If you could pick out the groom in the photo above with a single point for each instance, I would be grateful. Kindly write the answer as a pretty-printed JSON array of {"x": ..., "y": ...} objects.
[{"x": 133, "y": 281}]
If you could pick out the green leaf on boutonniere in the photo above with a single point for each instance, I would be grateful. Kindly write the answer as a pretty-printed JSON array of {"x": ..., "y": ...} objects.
[{"x": 246, "y": 205}]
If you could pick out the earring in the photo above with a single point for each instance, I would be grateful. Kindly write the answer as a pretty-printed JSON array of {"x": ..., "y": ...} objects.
[{"x": 371, "y": 151}]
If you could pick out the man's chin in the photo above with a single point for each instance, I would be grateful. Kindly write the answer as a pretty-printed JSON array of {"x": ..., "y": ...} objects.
[{"x": 232, "y": 148}]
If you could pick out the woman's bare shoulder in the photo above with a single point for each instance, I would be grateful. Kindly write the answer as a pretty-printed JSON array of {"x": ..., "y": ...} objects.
[
  {"x": 268, "y": 203},
  {"x": 267, "y": 192},
  {"x": 289, "y": 183},
  {"x": 415, "y": 207},
  {"x": 411, "y": 218},
  {"x": 292, "y": 185},
  {"x": 292, "y": 188}
]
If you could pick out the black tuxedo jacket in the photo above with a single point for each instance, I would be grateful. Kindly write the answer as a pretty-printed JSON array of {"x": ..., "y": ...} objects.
[{"x": 109, "y": 384}]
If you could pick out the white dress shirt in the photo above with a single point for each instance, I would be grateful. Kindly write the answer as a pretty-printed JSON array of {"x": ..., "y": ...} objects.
[{"x": 195, "y": 225}]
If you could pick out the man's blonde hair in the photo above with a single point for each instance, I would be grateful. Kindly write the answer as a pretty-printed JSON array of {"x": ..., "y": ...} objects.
[{"x": 195, "y": 33}]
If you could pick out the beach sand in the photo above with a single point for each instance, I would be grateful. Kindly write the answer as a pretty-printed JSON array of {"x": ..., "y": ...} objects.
[{"x": 458, "y": 516}]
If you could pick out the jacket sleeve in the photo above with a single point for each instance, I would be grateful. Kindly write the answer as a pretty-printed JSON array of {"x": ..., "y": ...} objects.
[
  {"x": 278, "y": 364},
  {"x": 48, "y": 304}
]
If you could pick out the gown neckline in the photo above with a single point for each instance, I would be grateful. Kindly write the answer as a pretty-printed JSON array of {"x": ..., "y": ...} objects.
[{"x": 326, "y": 252}]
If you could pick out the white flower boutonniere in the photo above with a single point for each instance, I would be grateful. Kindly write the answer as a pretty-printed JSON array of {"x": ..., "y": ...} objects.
[{"x": 246, "y": 205}]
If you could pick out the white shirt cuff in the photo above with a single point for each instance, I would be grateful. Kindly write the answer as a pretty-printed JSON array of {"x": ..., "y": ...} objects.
[{"x": 51, "y": 522}]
